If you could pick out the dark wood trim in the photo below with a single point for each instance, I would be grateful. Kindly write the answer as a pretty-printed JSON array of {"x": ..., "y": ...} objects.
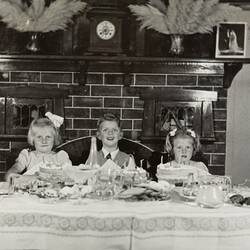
[
  {"x": 33, "y": 92},
  {"x": 180, "y": 95},
  {"x": 127, "y": 65},
  {"x": 244, "y": 4},
  {"x": 120, "y": 58},
  {"x": 231, "y": 70},
  {"x": 13, "y": 137}
]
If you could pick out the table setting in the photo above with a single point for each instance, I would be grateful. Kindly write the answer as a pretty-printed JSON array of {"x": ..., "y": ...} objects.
[{"x": 122, "y": 209}]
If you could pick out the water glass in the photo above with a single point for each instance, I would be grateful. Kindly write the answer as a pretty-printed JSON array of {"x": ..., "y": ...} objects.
[
  {"x": 12, "y": 184},
  {"x": 210, "y": 196},
  {"x": 224, "y": 182},
  {"x": 213, "y": 190},
  {"x": 104, "y": 186}
]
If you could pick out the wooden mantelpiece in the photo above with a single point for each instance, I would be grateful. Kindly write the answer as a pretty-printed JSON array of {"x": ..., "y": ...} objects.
[{"x": 228, "y": 68}]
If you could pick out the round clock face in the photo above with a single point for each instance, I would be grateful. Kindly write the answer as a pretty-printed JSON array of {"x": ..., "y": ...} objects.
[{"x": 105, "y": 30}]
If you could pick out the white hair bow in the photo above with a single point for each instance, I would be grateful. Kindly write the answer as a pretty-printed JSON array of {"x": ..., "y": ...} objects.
[
  {"x": 190, "y": 131},
  {"x": 56, "y": 119},
  {"x": 172, "y": 132}
]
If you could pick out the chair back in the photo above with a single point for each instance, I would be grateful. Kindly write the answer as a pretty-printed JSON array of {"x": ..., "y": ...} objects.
[{"x": 78, "y": 149}]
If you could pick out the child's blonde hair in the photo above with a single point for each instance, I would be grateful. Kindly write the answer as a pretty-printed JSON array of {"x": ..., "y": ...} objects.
[
  {"x": 42, "y": 123},
  {"x": 108, "y": 117},
  {"x": 182, "y": 133}
]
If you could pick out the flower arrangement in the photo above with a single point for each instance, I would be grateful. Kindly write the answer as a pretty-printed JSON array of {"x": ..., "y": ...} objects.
[
  {"x": 37, "y": 17},
  {"x": 183, "y": 16}
]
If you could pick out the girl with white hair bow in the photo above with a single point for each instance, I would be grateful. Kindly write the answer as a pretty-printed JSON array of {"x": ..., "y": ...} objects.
[
  {"x": 182, "y": 144},
  {"x": 43, "y": 136}
]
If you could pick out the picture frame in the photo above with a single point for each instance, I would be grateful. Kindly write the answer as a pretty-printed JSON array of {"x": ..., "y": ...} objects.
[{"x": 231, "y": 39}]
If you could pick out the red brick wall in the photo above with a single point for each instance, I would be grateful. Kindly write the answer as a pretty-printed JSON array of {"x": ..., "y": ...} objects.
[{"x": 104, "y": 92}]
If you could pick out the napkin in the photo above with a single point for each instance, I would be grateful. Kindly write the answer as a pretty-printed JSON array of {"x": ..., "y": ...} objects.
[
  {"x": 108, "y": 167},
  {"x": 131, "y": 164}
]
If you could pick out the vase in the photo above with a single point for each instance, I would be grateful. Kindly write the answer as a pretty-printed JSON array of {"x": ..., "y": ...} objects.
[
  {"x": 33, "y": 44},
  {"x": 176, "y": 44}
]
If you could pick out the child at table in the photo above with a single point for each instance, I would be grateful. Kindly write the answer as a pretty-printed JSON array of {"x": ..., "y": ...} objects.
[
  {"x": 183, "y": 144},
  {"x": 43, "y": 136},
  {"x": 109, "y": 132}
]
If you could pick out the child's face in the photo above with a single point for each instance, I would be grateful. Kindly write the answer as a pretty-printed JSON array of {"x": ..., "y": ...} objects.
[
  {"x": 44, "y": 140},
  {"x": 109, "y": 133},
  {"x": 183, "y": 149}
]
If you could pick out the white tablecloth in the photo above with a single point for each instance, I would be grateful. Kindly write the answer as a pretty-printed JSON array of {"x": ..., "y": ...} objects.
[{"x": 32, "y": 223}]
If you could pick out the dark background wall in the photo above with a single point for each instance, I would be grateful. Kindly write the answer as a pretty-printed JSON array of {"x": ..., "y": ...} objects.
[{"x": 104, "y": 92}]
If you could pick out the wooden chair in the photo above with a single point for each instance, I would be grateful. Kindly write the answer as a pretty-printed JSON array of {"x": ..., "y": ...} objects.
[{"x": 78, "y": 149}]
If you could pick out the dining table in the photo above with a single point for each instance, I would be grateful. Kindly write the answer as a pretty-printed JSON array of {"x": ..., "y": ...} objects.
[{"x": 31, "y": 223}]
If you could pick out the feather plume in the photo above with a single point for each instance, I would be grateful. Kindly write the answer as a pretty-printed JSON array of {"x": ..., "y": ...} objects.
[
  {"x": 159, "y": 5},
  {"x": 37, "y": 17},
  {"x": 183, "y": 16},
  {"x": 151, "y": 17}
]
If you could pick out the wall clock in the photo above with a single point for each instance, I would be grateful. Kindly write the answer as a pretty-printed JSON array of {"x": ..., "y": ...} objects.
[{"x": 106, "y": 31}]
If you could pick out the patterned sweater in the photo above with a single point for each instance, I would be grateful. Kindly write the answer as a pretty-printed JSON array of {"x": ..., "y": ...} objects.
[{"x": 121, "y": 158}]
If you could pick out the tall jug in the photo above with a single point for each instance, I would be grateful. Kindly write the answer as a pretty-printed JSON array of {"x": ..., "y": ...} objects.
[{"x": 92, "y": 159}]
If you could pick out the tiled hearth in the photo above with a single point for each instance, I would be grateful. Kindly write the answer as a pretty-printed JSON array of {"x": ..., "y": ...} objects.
[{"x": 104, "y": 92}]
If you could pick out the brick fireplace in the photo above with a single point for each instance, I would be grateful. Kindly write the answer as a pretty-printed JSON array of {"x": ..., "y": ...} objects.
[{"x": 104, "y": 91}]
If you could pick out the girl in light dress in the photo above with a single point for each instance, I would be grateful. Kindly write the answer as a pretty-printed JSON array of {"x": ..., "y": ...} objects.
[
  {"x": 183, "y": 144},
  {"x": 43, "y": 136}
]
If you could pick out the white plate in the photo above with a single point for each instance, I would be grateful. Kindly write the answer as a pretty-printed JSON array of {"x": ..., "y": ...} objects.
[{"x": 179, "y": 190}]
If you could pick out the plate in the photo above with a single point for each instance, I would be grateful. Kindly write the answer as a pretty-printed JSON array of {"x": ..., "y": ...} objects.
[
  {"x": 207, "y": 205},
  {"x": 143, "y": 194},
  {"x": 160, "y": 186},
  {"x": 131, "y": 192},
  {"x": 179, "y": 191}
]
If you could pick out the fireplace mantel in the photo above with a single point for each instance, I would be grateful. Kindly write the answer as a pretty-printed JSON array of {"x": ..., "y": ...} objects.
[{"x": 227, "y": 68}]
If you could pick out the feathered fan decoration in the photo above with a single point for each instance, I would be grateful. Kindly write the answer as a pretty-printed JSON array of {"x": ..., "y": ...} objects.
[
  {"x": 38, "y": 17},
  {"x": 183, "y": 16}
]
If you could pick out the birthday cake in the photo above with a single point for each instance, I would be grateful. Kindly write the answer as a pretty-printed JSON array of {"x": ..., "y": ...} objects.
[
  {"x": 175, "y": 174},
  {"x": 51, "y": 168},
  {"x": 51, "y": 172}
]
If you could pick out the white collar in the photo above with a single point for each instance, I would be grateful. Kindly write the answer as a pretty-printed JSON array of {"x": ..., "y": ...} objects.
[{"x": 113, "y": 153}]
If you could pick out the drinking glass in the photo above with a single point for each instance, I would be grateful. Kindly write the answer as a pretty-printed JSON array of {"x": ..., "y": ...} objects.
[
  {"x": 12, "y": 184},
  {"x": 213, "y": 190},
  {"x": 222, "y": 181},
  {"x": 104, "y": 186},
  {"x": 210, "y": 196},
  {"x": 118, "y": 182}
]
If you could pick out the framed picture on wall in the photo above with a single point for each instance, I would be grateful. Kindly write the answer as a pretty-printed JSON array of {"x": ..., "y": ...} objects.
[{"x": 231, "y": 38}]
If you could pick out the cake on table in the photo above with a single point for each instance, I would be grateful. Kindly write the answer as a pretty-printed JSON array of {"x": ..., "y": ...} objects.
[
  {"x": 176, "y": 174},
  {"x": 52, "y": 172},
  {"x": 50, "y": 168}
]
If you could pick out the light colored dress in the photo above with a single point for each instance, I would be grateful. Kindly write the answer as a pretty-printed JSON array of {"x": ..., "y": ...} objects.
[{"x": 30, "y": 160}]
